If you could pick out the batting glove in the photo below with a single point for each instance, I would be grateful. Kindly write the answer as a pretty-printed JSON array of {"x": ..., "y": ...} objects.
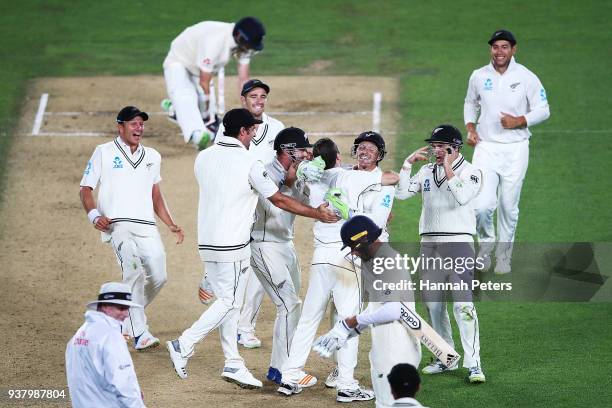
[
  {"x": 334, "y": 340},
  {"x": 338, "y": 203},
  {"x": 310, "y": 171}
]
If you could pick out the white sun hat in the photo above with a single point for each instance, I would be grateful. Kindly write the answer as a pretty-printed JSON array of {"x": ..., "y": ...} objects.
[{"x": 114, "y": 292}]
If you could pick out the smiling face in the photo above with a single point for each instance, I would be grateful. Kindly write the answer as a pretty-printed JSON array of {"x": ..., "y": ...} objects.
[
  {"x": 501, "y": 54},
  {"x": 131, "y": 131},
  {"x": 367, "y": 155},
  {"x": 255, "y": 101}
]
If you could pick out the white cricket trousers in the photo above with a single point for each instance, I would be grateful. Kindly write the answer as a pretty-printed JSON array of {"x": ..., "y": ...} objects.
[
  {"x": 227, "y": 280},
  {"x": 142, "y": 260},
  {"x": 252, "y": 303},
  {"x": 187, "y": 99},
  {"x": 331, "y": 274},
  {"x": 463, "y": 308},
  {"x": 276, "y": 266},
  {"x": 392, "y": 344},
  {"x": 503, "y": 166}
]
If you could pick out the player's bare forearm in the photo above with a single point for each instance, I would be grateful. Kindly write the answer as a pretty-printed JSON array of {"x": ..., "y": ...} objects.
[
  {"x": 292, "y": 205},
  {"x": 162, "y": 211},
  {"x": 243, "y": 75},
  {"x": 87, "y": 198},
  {"x": 205, "y": 78}
]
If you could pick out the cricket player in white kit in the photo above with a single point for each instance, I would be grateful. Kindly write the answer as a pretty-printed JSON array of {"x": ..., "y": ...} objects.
[
  {"x": 254, "y": 96},
  {"x": 273, "y": 256},
  {"x": 194, "y": 57},
  {"x": 503, "y": 100},
  {"x": 375, "y": 202},
  {"x": 446, "y": 226},
  {"x": 391, "y": 346},
  {"x": 99, "y": 367},
  {"x": 129, "y": 197},
  {"x": 225, "y": 219},
  {"x": 331, "y": 274}
]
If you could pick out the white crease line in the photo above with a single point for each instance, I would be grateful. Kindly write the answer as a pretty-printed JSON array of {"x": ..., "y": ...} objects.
[
  {"x": 40, "y": 113},
  {"x": 77, "y": 134}
]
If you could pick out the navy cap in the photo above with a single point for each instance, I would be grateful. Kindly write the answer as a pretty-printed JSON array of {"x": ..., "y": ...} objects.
[
  {"x": 502, "y": 35},
  {"x": 446, "y": 134},
  {"x": 129, "y": 113},
  {"x": 372, "y": 137},
  {"x": 252, "y": 84},
  {"x": 358, "y": 230},
  {"x": 236, "y": 119},
  {"x": 291, "y": 138}
]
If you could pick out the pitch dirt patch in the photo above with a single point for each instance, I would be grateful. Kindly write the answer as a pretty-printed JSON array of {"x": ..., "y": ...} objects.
[{"x": 53, "y": 262}]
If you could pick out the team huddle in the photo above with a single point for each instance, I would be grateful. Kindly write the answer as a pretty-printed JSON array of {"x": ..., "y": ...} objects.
[{"x": 245, "y": 233}]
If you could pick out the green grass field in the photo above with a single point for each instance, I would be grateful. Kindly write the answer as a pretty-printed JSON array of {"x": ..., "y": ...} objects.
[{"x": 554, "y": 354}]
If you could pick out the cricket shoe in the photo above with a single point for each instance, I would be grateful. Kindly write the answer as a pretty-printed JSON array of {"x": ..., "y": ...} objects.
[
  {"x": 201, "y": 139},
  {"x": 357, "y": 394},
  {"x": 166, "y": 105},
  {"x": 502, "y": 266},
  {"x": 476, "y": 375},
  {"x": 274, "y": 375},
  {"x": 145, "y": 341},
  {"x": 307, "y": 380},
  {"x": 241, "y": 376},
  {"x": 332, "y": 379},
  {"x": 289, "y": 389},
  {"x": 178, "y": 361},
  {"x": 205, "y": 292},
  {"x": 436, "y": 367},
  {"x": 248, "y": 340}
]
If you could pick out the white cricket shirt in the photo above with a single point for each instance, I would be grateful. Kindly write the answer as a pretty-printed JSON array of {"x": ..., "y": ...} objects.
[
  {"x": 273, "y": 224},
  {"x": 448, "y": 206},
  {"x": 355, "y": 183},
  {"x": 229, "y": 179},
  {"x": 206, "y": 46},
  {"x": 99, "y": 367},
  {"x": 517, "y": 92},
  {"x": 126, "y": 183},
  {"x": 262, "y": 144}
]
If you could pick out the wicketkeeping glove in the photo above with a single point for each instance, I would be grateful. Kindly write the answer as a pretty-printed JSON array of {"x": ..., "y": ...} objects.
[
  {"x": 311, "y": 171},
  {"x": 334, "y": 340},
  {"x": 338, "y": 203}
]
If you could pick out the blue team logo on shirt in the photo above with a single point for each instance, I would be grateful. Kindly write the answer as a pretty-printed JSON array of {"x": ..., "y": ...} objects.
[
  {"x": 426, "y": 185},
  {"x": 117, "y": 163},
  {"x": 88, "y": 168},
  {"x": 542, "y": 94},
  {"x": 488, "y": 85},
  {"x": 386, "y": 202}
]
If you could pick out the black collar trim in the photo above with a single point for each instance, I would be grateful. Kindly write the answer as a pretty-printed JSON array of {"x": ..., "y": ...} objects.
[
  {"x": 134, "y": 165},
  {"x": 443, "y": 179},
  {"x": 263, "y": 136}
]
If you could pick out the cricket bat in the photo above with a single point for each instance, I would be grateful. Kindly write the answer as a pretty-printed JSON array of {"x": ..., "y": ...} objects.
[{"x": 428, "y": 336}]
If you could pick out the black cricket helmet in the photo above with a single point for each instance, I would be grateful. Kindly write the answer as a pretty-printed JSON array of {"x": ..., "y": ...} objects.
[
  {"x": 446, "y": 134},
  {"x": 249, "y": 33},
  {"x": 372, "y": 137}
]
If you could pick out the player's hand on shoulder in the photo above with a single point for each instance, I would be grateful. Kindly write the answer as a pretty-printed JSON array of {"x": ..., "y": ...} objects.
[
  {"x": 324, "y": 214},
  {"x": 102, "y": 223},
  {"x": 310, "y": 171}
]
